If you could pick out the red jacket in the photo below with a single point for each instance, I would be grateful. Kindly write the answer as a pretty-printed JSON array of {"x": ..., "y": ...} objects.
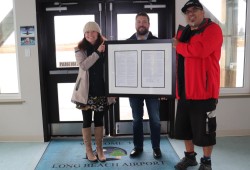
[{"x": 201, "y": 61}]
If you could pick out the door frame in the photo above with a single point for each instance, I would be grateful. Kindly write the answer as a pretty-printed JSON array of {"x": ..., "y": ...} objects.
[{"x": 46, "y": 63}]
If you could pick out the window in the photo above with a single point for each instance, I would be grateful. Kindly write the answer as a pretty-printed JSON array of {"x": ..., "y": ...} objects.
[
  {"x": 65, "y": 54},
  {"x": 65, "y": 58},
  {"x": 231, "y": 16},
  {"x": 123, "y": 33},
  {"x": 8, "y": 60}
]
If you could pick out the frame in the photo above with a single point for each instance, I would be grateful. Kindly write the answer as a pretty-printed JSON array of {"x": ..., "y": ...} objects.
[{"x": 140, "y": 67}]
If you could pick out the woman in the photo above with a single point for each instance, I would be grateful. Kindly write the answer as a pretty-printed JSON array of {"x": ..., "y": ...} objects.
[{"x": 89, "y": 91}]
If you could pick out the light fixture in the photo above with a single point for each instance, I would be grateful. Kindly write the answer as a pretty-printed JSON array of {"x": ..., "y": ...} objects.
[
  {"x": 151, "y": 6},
  {"x": 141, "y": 2},
  {"x": 64, "y": 8},
  {"x": 65, "y": 3},
  {"x": 60, "y": 6}
]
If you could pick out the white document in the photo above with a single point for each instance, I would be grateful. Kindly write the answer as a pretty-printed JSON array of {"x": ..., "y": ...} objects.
[
  {"x": 126, "y": 71},
  {"x": 153, "y": 64}
]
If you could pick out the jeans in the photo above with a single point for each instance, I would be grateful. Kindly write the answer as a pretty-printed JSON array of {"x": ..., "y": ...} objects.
[{"x": 153, "y": 106}]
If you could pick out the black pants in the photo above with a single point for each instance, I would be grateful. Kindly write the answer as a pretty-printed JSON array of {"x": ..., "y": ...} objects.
[
  {"x": 87, "y": 118},
  {"x": 191, "y": 122}
]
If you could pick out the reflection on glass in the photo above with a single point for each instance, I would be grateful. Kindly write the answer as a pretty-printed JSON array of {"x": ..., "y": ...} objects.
[
  {"x": 8, "y": 67},
  {"x": 67, "y": 37},
  {"x": 125, "y": 109},
  {"x": 124, "y": 31},
  {"x": 67, "y": 109},
  {"x": 8, "y": 62},
  {"x": 231, "y": 16}
]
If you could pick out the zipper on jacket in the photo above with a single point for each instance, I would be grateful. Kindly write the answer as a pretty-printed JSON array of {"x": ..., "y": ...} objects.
[{"x": 206, "y": 81}]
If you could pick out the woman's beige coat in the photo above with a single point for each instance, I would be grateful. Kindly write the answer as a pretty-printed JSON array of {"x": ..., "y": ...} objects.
[{"x": 81, "y": 89}]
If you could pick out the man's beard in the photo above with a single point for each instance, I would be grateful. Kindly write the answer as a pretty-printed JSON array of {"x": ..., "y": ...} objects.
[
  {"x": 143, "y": 31},
  {"x": 191, "y": 24}
]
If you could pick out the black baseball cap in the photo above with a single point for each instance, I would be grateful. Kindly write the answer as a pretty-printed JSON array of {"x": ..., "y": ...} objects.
[{"x": 191, "y": 3}]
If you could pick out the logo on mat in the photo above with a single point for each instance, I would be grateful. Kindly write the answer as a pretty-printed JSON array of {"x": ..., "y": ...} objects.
[{"x": 113, "y": 153}]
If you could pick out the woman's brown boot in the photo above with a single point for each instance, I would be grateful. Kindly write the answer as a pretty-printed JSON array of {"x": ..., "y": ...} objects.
[
  {"x": 99, "y": 139},
  {"x": 86, "y": 133}
]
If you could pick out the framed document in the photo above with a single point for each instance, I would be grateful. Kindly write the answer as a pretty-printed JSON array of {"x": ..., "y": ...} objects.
[{"x": 140, "y": 67}]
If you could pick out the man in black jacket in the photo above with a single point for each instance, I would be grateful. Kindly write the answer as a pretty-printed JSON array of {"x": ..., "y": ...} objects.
[{"x": 153, "y": 103}]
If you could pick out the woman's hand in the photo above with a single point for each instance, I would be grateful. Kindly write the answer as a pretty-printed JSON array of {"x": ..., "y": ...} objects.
[{"x": 101, "y": 48}]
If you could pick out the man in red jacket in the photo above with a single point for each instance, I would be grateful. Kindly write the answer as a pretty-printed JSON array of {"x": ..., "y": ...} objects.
[{"x": 198, "y": 47}]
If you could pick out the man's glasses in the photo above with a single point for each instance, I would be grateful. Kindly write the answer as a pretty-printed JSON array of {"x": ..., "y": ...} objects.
[{"x": 193, "y": 10}]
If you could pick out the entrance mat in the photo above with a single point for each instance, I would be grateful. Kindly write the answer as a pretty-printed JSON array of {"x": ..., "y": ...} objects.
[{"x": 69, "y": 154}]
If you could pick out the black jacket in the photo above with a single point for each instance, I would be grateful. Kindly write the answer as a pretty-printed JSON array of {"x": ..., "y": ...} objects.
[{"x": 150, "y": 36}]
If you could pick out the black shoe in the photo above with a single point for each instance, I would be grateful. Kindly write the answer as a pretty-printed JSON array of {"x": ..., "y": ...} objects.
[
  {"x": 135, "y": 152},
  {"x": 205, "y": 167},
  {"x": 157, "y": 153},
  {"x": 185, "y": 163},
  {"x": 205, "y": 164}
]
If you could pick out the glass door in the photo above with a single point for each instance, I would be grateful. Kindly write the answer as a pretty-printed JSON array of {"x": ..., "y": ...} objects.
[
  {"x": 121, "y": 16},
  {"x": 60, "y": 28},
  {"x": 124, "y": 31}
]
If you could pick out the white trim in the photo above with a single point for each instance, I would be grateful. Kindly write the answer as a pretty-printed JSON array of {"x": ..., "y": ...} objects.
[
  {"x": 22, "y": 138},
  {"x": 246, "y": 84},
  {"x": 243, "y": 132}
]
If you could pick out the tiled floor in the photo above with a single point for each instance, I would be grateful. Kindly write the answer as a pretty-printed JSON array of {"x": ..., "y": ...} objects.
[
  {"x": 230, "y": 153},
  {"x": 20, "y": 155}
]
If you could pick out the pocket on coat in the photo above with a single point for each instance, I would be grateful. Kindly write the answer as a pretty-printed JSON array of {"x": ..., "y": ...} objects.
[{"x": 78, "y": 84}]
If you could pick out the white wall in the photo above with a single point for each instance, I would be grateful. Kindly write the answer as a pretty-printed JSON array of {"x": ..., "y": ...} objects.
[{"x": 23, "y": 121}]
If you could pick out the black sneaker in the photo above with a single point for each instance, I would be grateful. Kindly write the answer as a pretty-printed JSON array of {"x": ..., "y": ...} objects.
[
  {"x": 205, "y": 167},
  {"x": 186, "y": 162},
  {"x": 205, "y": 164}
]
